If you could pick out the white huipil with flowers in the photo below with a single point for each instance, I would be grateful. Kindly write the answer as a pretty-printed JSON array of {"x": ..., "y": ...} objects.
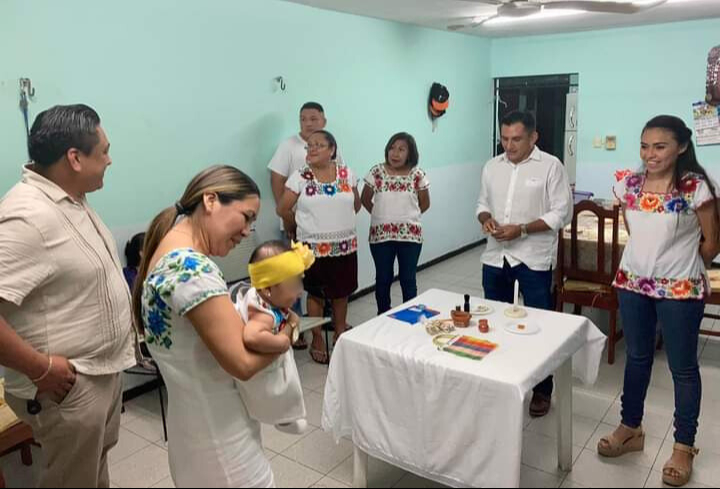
[
  {"x": 662, "y": 258},
  {"x": 396, "y": 206},
  {"x": 325, "y": 212}
]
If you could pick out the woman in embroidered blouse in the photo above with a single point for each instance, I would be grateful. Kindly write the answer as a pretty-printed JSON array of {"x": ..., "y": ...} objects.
[
  {"x": 396, "y": 194},
  {"x": 195, "y": 334},
  {"x": 322, "y": 199},
  {"x": 671, "y": 213}
]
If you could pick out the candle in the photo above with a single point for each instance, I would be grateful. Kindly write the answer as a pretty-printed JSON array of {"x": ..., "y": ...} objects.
[{"x": 517, "y": 292}]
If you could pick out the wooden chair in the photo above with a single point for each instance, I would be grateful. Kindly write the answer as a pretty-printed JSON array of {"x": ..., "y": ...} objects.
[
  {"x": 14, "y": 435},
  {"x": 591, "y": 288},
  {"x": 714, "y": 300}
]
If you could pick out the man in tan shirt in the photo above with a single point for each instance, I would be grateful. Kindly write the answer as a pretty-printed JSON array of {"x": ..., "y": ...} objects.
[{"x": 65, "y": 323}]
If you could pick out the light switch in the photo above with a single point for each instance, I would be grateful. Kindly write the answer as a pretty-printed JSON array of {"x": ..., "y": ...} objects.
[{"x": 597, "y": 142}]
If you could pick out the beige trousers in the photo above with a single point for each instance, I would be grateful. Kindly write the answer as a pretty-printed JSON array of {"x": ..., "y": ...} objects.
[{"x": 77, "y": 434}]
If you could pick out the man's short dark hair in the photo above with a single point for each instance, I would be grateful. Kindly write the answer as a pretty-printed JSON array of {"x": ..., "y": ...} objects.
[
  {"x": 313, "y": 106},
  {"x": 61, "y": 128},
  {"x": 519, "y": 117}
]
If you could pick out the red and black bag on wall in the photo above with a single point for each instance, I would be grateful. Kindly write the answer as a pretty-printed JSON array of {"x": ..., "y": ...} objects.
[{"x": 439, "y": 101}]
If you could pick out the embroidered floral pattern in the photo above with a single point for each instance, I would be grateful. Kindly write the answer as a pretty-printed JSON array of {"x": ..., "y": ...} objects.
[
  {"x": 622, "y": 174},
  {"x": 176, "y": 268},
  {"x": 676, "y": 202},
  {"x": 397, "y": 183},
  {"x": 401, "y": 231},
  {"x": 661, "y": 288},
  {"x": 314, "y": 188},
  {"x": 334, "y": 248},
  {"x": 411, "y": 183}
]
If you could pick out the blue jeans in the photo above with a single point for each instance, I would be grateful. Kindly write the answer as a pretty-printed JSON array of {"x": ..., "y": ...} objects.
[
  {"x": 535, "y": 287},
  {"x": 680, "y": 322},
  {"x": 384, "y": 255}
]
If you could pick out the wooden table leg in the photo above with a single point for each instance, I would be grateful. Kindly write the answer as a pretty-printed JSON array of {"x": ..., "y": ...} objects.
[{"x": 26, "y": 454}]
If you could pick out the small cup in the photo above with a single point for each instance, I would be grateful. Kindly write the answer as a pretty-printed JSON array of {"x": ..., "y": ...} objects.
[{"x": 484, "y": 326}]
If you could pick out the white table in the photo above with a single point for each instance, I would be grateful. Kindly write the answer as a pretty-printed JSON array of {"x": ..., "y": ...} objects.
[{"x": 456, "y": 421}]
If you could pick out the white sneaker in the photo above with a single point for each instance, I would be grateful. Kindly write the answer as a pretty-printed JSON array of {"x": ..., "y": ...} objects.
[{"x": 297, "y": 427}]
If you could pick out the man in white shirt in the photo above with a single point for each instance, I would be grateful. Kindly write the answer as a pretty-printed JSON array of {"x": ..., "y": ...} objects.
[{"x": 525, "y": 199}]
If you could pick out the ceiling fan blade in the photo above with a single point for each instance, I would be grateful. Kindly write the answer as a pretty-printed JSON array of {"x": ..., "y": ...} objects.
[
  {"x": 488, "y": 2},
  {"x": 470, "y": 25},
  {"x": 519, "y": 9},
  {"x": 604, "y": 7}
]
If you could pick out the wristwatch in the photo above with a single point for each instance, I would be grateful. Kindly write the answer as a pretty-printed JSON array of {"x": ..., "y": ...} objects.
[
  {"x": 295, "y": 335},
  {"x": 523, "y": 231}
]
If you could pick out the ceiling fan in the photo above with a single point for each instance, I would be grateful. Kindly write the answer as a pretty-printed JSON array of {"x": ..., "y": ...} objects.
[{"x": 525, "y": 8}]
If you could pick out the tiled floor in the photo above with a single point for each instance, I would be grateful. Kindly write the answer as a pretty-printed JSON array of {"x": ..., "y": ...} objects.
[{"x": 313, "y": 460}]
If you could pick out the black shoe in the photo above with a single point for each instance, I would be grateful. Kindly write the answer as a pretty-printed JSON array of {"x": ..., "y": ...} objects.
[{"x": 540, "y": 405}]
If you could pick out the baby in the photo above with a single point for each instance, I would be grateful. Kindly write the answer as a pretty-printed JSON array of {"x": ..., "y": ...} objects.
[{"x": 274, "y": 395}]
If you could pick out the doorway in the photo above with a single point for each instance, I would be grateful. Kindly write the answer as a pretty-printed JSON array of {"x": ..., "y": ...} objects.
[{"x": 552, "y": 99}]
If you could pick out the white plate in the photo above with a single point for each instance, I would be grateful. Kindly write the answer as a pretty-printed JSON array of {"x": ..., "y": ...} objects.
[
  {"x": 475, "y": 311},
  {"x": 530, "y": 327}
]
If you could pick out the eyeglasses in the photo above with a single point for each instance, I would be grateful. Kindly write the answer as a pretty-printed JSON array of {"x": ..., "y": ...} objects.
[{"x": 316, "y": 146}]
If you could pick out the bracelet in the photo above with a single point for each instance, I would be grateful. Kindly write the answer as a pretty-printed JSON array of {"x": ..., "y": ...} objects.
[{"x": 43, "y": 376}]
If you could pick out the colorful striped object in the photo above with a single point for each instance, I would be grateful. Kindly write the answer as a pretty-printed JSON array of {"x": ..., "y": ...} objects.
[{"x": 468, "y": 347}]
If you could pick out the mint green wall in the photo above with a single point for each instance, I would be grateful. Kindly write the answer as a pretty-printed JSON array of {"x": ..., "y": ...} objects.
[
  {"x": 627, "y": 76},
  {"x": 181, "y": 85},
  {"x": 184, "y": 85}
]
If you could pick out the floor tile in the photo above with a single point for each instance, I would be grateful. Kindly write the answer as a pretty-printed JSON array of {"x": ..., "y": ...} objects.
[
  {"x": 291, "y": 474},
  {"x": 145, "y": 468},
  {"x": 278, "y": 441},
  {"x": 530, "y": 477},
  {"x": 319, "y": 452},
  {"x": 646, "y": 458},
  {"x": 380, "y": 474},
  {"x": 128, "y": 444},
  {"x": 591, "y": 470}
]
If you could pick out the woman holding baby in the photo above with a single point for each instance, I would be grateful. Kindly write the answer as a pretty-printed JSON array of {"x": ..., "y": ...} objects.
[{"x": 195, "y": 333}]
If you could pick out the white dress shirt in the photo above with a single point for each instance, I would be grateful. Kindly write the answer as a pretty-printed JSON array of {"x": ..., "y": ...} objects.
[{"x": 537, "y": 188}]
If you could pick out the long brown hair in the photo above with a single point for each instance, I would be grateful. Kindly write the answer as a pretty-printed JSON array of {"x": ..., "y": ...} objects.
[
  {"x": 229, "y": 183},
  {"x": 687, "y": 162}
]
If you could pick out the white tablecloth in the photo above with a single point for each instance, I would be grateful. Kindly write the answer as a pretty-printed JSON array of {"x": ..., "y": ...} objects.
[{"x": 450, "y": 419}]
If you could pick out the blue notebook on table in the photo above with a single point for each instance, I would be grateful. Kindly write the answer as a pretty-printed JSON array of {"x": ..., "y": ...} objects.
[{"x": 414, "y": 314}]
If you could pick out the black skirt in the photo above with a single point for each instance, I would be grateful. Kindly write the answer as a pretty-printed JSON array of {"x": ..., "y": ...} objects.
[{"x": 332, "y": 277}]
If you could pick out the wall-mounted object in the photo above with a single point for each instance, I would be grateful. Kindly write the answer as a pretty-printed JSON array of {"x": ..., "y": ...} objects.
[
  {"x": 280, "y": 81},
  {"x": 27, "y": 93},
  {"x": 597, "y": 142},
  {"x": 438, "y": 102},
  {"x": 712, "y": 95},
  {"x": 611, "y": 143}
]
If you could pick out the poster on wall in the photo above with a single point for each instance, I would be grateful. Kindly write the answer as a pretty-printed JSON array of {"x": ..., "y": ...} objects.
[{"x": 707, "y": 123}]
